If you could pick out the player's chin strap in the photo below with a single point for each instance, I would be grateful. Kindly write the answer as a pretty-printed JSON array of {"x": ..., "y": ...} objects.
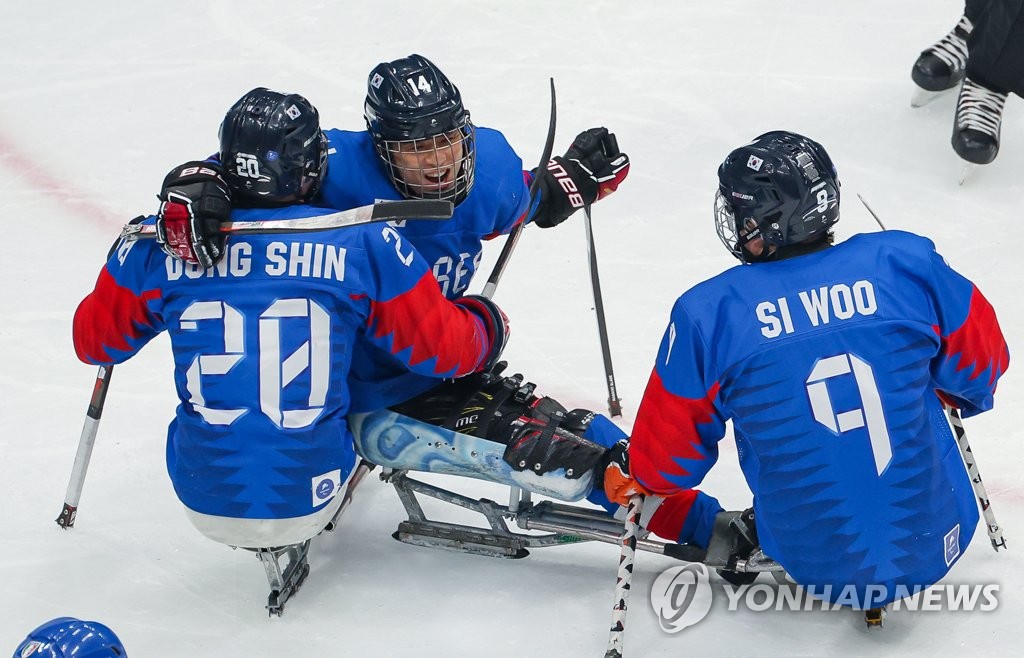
[{"x": 995, "y": 531}]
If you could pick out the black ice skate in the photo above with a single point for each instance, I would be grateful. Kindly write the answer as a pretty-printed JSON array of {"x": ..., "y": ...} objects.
[
  {"x": 942, "y": 66},
  {"x": 979, "y": 116}
]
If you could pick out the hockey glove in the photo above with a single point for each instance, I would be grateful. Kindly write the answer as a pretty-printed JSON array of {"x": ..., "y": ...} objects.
[
  {"x": 619, "y": 485},
  {"x": 591, "y": 169},
  {"x": 496, "y": 323},
  {"x": 194, "y": 202}
]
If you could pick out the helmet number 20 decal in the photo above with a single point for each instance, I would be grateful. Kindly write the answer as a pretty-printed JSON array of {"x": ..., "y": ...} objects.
[
  {"x": 247, "y": 166},
  {"x": 870, "y": 414}
]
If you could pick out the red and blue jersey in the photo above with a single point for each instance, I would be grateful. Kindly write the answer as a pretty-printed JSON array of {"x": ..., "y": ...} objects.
[
  {"x": 828, "y": 365},
  {"x": 263, "y": 344},
  {"x": 452, "y": 248}
]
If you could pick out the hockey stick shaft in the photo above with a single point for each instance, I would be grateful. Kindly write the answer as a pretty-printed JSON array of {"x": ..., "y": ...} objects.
[
  {"x": 413, "y": 209},
  {"x": 614, "y": 403},
  {"x": 995, "y": 531},
  {"x": 513, "y": 236},
  {"x": 624, "y": 578},
  {"x": 85, "y": 445}
]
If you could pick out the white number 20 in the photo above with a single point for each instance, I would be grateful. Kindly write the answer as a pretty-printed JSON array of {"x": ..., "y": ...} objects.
[
  {"x": 247, "y": 166},
  {"x": 275, "y": 370}
]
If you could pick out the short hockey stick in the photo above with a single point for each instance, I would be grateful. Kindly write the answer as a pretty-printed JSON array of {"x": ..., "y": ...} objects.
[
  {"x": 382, "y": 211},
  {"x": 85, "y": 445},
  {"x": 614, "y": 403},
  {"x": 513, "y": 236},
  {"x": 995, "y": 531},
  {"x": 624, "y": 578}
]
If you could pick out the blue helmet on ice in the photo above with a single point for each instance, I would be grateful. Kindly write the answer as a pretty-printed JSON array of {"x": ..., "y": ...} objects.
[
  {"x": 272, "y": 148},
  {"x": 781, "y": 188},
  {"x": 67, "y": 637},
  {"x": 413, "y": 108}
]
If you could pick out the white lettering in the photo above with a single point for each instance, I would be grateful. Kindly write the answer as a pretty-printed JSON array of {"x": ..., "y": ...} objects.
[
  {"x": 276, "y": 262},
  {"x": 773, "y": 327},
  {"x": 816, "y": 305}
]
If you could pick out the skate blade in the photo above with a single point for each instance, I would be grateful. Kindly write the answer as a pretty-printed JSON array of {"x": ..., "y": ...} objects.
[
  {"x": 966, "y": 171},
  {"x": 922, "y": 97}
]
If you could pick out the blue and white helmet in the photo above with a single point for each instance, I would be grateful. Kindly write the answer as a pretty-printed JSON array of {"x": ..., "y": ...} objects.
[{"x": 67, "y": 637}]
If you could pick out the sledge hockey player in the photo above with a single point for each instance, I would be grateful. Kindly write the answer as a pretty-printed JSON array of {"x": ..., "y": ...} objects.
[
  {"x": 421, "y": 143},
  {"x": 259, "y": 447},
  {"x": 833, "y": 363},
  {"x": 65, "y": 637}
]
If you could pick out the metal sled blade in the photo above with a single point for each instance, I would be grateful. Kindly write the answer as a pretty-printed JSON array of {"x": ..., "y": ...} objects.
[
  {"x": 284, "y": 581},
  {"x": 559, "y": 524}
]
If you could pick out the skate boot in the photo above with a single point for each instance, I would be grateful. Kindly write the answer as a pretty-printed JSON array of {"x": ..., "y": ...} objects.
[
  {"x": 979, "y": 115},
  {"x": 943, "y": 65}
]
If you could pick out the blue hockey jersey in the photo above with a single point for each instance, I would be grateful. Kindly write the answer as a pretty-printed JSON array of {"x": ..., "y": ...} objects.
[
  {"x": 828, "y": 365},
  {"x": 497, "y": 202},
  {"x": 262, "y": 346}
]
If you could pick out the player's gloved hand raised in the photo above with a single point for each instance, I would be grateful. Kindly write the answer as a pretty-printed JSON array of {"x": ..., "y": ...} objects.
[
  {"x": 496, "y": 323},
  {"x": 619, "y": 485},
  {"x": 590, "y": 170},
  {"x": 195, "y": 201}
]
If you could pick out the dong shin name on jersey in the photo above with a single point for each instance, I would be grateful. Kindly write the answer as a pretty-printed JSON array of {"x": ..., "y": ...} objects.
[
  {"x": 293, "y": 259},
  {"x": 816, "y": 307}
]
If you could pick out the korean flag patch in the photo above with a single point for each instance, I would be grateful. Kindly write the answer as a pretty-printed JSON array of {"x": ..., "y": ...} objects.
[{"x": 755, "y": 163}]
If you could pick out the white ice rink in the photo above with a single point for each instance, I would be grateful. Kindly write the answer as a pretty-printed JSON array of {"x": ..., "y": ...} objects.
[{"x": 99, "y": 99}]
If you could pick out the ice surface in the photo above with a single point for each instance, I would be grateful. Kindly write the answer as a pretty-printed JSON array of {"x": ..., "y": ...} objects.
[{"x": 98, "y": 99}]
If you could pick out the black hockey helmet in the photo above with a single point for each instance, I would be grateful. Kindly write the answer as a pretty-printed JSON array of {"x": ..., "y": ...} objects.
[
  {"x": 782, "y": 188},
  {"x": 272, "y": 148},
  {"x": 412, "y": 107}
]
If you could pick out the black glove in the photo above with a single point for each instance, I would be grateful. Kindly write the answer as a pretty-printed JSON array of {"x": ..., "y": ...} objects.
[
  {"x": 591, "y": 169},
  {"x": 495, "y": 321},
  {"x": 195, "y": 200}
]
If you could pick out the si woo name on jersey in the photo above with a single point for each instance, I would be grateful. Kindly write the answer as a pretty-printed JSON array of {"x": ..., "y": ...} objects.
[
  {"x": 820, "y": 305},
  {"x": 302, "y": 259}
]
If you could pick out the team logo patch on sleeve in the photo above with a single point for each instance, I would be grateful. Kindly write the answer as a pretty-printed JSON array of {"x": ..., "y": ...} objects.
[{"x": 326, "y": 487}]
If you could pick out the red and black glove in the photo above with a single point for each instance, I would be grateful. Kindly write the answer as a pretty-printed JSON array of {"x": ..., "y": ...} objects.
[
  {"x": 496, "y": 323},
  {"x": 195, "y": 201},
  {"x": 590, "y": 170}
]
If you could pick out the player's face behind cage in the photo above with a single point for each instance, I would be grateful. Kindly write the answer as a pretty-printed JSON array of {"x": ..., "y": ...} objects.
[{"x": 436, "y": 167}]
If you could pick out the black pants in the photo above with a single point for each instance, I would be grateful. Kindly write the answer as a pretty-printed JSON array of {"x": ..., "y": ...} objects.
[{"x": 996, "y": 44}]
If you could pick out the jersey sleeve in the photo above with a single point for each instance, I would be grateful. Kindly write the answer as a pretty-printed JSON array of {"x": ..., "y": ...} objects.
[
  {"x": 122, "y": 313},
  {"x": 411, "y": 319},
  {"x": 501, "y": 176},
  {"x": 973, "y": 354},
  {"x": 678, "y": 425}
]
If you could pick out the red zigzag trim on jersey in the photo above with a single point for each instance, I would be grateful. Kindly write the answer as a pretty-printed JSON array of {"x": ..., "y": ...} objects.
[
  {"x": 109, "y": 319},
  {"x": 978, "y": 341},
  {"x": 421, "y": 318},
  {"x": 665, "y": 430}
]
